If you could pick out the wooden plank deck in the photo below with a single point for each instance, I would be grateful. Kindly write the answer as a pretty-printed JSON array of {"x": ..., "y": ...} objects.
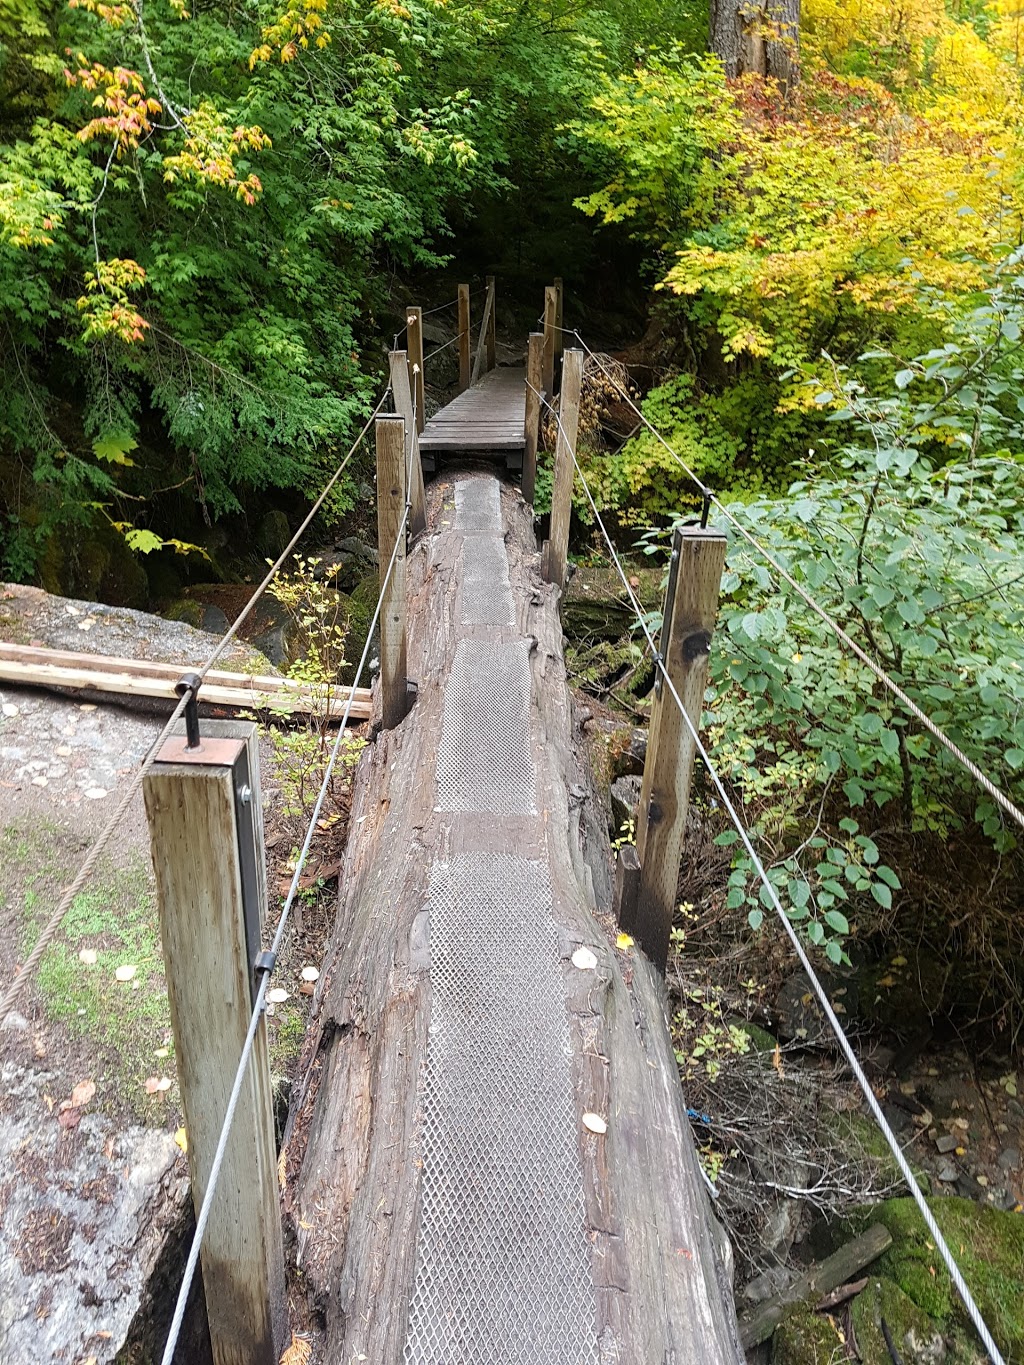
[{"x": 491, "y": 416}]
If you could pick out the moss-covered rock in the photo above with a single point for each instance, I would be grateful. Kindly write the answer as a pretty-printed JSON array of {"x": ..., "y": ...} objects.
[
  {"x": 989, "y": 1247},
  {"x": 917, "y": 1338},
  {"x": 185, "y": 610},
  {"x": 760, "y": 1039},
  {"x": 806, "y": 1338},
  {"x": 361, "y": 604}
]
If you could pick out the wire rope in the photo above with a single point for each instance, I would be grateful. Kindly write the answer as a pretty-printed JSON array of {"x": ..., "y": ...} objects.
[
  {"x": 890, "y": 1137},
  {"x": 982, "y": 778},
  {"x": 52, "y": 925},
  {"x": 203, "y": 1217}
]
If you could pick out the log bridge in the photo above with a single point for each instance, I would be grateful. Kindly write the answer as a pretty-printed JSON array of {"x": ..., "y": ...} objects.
[{"x": 487, "y": 1159}]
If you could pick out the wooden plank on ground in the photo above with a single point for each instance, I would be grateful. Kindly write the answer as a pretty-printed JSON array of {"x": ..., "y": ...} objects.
[{"x": 31, "y": 666}]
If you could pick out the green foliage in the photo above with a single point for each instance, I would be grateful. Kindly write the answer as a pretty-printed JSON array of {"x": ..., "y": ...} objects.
[{"x": 910, "y": 540}]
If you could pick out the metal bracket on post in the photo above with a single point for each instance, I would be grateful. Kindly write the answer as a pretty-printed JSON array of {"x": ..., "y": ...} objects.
[{"x": 191, "y": 683}]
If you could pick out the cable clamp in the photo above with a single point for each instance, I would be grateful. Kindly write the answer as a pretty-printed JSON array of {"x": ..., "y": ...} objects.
[{"x": 266, "y": 962}]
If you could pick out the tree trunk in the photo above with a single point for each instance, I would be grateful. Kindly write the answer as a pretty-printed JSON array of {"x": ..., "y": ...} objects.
[
  {"x": 757, "y": 36},
  {"x": 360, "y": 1153}
]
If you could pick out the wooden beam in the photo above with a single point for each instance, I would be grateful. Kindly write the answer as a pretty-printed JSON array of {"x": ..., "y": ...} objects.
[
  {"x": 391, "y": 496},
  {"x": 757, "y": 1324},
  {"x": 465, "y": 340},
  {"x": 36, "y": 667},
  {"x": 485, "y": 328},
  {"x": 550, "y": 316},
  {"x": 199, "y": 827},
  {"x": 565, "y": 467},
  {"x": 627, "y": 886},
  {"x": 414, "y": 340},
  {"x": 559, "y": 317},
  {"x": 402, "y": 394},
  {"x": 691, "y": 605},
  {"x": 492, "y": 323},
  {"x": 534, "y": 371}
]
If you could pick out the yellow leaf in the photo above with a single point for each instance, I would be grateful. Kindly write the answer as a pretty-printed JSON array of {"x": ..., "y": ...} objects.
[
  {"x": 623, "y": 942},
  {"x": 181, "y": 1138}
]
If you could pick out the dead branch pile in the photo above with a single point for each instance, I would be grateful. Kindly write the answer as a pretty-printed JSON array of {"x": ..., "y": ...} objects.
[{"x": 604, "y": 412}]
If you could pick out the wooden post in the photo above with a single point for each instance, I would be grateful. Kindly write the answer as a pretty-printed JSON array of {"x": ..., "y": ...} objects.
[
  {"x": 492, "y": 324},
  {"x": 559, "y": 317},
  {"x": 465, "y": 339},
  {"x": 484, "y": 345},
  {"x": 534, "y": 369},
  {"x": 565, "y": 468},
  {"x": 206, "y": 827},
  {"x": 550, "y": 315},
  {"x": 414, "y": 340},
  {"x": 402, "y": 394},
  {"x": 691, "y": 605},
  {"x": 390, "y": 510},
  {"x": 627, "y": 886}
]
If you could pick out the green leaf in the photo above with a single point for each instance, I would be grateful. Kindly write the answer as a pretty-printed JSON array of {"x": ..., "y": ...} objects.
[
  {"x": 815, "y": 932},
  {"x": 835, "y": 919},
  {"x": 882, "y": 895},
  {"x": 833, "y": 951},
  {"x": 1015, "y": 757},
  {"x": 114, "y": 448},
  {"x": 727, "y": 837},
  {"x": 143, "y": 541},
  {"x": 903, "y": 378},
  {"x": 755, "y": 919},
  {"x": 889, "y": 876},
  {"x": 736, "y": 897}
]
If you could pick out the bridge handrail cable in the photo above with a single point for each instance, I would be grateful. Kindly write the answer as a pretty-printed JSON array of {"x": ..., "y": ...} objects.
[
  {"x": 890, "y": 1137},
  {"x": 982, "y": 778},
  {"x": 53, "y": 924},
  {"x": 267, "y": 963}
]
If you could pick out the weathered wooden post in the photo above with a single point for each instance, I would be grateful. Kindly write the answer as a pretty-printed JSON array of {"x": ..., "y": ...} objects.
[
  {"x": 402, "y": 394},
  {"x": 550, "y": 315},
  {"x": 484, "y": 345},
  {"x": 691, "y": 605},
  {"x": 565, "y": 467},
  {"x": 534, "y": 380},
  {"x": 391, "y": 495},
  {"x": 414, "y": 340},
  {"x": 559, "y": 318},
  {"x": 206, "y": 828},
  {"x": 492, "y": 323},
  {"x": 465, "y": 339}
]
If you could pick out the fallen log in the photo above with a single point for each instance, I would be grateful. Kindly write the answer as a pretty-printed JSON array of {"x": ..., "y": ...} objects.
[
  {"x": 759, "y": 1323},
  {"x": 354, "y": 1147}
]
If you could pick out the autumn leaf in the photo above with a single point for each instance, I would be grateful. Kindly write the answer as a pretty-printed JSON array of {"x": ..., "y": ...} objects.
[
  {"x": 83, "y": 1093},
  {"x": 298, "y": 1353}
]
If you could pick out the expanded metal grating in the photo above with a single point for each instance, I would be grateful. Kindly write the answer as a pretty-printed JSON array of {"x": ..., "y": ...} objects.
[
  {"x": 478, "y": 506},
  {"x": 483, "y": 760},
  {"x": 486, "y": 591},
  {"x": 503, "y": 1271}
]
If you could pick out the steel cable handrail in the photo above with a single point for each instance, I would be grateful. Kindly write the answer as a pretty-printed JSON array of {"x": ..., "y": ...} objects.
[
  {"x": 956, "y": 1274},
  {"x": 114, "y": 823},
  {"x": 203, "y": 1216}
]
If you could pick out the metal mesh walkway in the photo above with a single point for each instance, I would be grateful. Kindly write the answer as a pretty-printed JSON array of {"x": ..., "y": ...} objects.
[{"x": 503, "y": 1270}]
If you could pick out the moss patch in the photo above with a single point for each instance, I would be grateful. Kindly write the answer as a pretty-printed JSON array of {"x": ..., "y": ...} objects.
[
  {"x": 859, "y": 1133},
  {"x": 989, "y": 1246},
  {"x": 807, "y": 1339},
  {"x": 116, "y": 1027},
  {"x": 916, "y": 1337}
]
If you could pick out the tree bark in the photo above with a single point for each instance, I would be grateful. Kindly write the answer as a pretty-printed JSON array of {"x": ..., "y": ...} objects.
[
  {"x": 661, "y": 1264},
  {"x": 760, "y": 37}
]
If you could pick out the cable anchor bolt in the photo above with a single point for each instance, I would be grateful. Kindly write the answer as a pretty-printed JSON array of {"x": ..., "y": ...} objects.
[{"x": 190, "y": 683}]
